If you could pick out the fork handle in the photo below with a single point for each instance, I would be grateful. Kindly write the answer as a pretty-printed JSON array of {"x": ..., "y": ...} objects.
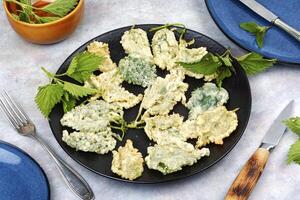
[{"x": 74, "y": 180}]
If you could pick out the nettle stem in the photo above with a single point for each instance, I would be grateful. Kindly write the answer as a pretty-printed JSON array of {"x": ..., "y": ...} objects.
[{"x": 18, "y": 3}]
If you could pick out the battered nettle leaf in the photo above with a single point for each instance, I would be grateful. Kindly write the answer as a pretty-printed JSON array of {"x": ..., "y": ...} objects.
[{"x": 137, "y": 71}]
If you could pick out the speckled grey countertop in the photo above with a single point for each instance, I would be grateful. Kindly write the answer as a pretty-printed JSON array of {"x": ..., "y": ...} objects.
[{"x": 20, "y": 74}]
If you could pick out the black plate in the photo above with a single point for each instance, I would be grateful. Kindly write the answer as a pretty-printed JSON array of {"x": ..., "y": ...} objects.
[{"x": 237, "y": 86}]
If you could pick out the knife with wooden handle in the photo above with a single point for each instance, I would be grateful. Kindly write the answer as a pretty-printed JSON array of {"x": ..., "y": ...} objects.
[{"x": 245, "y": 182}]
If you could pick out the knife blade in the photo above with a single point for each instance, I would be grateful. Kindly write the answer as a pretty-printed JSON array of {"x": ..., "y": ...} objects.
[
  {"x": 271, "y": 17},
  {"x": 244, "y": 183},
  {"x": 276, "y": 130},
  {"x": 260, "y": 10}
]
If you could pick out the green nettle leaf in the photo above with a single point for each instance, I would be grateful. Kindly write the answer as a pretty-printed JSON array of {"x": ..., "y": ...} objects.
[
  {"x": 48, "y": 96},
  {"x": 47, "y": 19},
  {"x": 68, "y": 102},
  {"x": 27, "y": 2},
  {"x": 168, "y": 26},
  {"x": 260, "y": 38},
  {"x": 293, "y": 124},
  {"x": 24, "y": 17},
  {"x": 88, "y": 62},
  {"x": 294, "y": 153},
  {"x": 83, "y": 65},
  {"x": 73, "y": 65},
  {"x": 226, "y": 60},
  {"x": 207, "y": 65},
  {"x": 80, "y": 76},
  {"x": 254, "y": 63},
  {"x": 257, "y": 30},
  {"x": 15, "y": 16},
  {"x": 60, "y": 7},
  {"x": 222, "y": 65},
  {"x": 77, "y": 90},
  {"x": 222, "y": 73},
  {"x": 249, "y": 26}
]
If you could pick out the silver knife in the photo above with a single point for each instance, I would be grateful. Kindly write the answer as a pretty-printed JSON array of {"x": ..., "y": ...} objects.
[
  {"x": 244, "y": 183},
  {"x": 271, "y": 17}
]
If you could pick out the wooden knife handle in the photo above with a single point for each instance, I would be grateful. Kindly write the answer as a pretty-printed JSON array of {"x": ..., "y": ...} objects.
[{"x": 249, "y": 175}]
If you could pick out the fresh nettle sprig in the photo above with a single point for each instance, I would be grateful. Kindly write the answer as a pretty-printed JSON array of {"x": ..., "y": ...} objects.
[
  {"x": 58, "y": 8},
  {"x": 257, "y": 30},
  {"x": 294, "y": 153},
  {"x": 58, "y": 90},
  {"x": 222, "y": 65}
]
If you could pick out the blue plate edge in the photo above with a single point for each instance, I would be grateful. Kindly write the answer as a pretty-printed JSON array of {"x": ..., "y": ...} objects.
[
  {"x": 38, "y": 165},
  {"x": 280, "y": 60}
]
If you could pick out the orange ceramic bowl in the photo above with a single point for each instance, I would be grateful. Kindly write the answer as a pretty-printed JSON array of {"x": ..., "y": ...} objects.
[{"x": 47, "y": 33}]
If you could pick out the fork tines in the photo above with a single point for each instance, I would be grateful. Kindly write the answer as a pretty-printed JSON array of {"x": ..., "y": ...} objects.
[{"x": 13, "y": 113}]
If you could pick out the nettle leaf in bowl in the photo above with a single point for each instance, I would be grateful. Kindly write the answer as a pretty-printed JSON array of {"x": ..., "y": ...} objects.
[{"x": 43, "y": 12}]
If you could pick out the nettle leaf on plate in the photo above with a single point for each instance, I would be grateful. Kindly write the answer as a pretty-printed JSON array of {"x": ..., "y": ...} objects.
[
  {"x": 222, "y": 73},
  {"x": 257, "y": 30},
  {"x": 73, "y": 65},
  {"x": 226, "y": 60},
  {"x": 77, "y": 90},
  {"x": 82, "y": 65},
  {"x": 294, "y": 153},
  {"x": 68, "y": 102},
  {"x": 254, "y": 63},
  {"x": 207, "y": 65},
  {"x": 48, "y": 96},
  {"x": 58, "y": 90}
]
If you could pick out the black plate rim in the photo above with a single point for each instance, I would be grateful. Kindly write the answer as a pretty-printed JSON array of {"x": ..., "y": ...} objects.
[
  {"x": 172, "y": 179},
  {"x": 32, "y": 159},
  {"x": 238, "y": 44}
]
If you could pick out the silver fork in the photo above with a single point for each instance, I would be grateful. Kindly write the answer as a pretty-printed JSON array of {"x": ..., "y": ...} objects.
[{"x": 24, "y": 126}]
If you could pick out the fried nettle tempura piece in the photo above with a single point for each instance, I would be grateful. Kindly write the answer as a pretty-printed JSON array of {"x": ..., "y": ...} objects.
[
  {"x": 135, "y": 43},
  {"x": 127, "y": 162},
  {"x": 171, "y": 154},
  {"x": 102, "y": 49}
]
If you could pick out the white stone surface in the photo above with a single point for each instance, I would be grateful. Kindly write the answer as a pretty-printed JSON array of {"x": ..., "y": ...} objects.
[{"x": 20, "y": 75}]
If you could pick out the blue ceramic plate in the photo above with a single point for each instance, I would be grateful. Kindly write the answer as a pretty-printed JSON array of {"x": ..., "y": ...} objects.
[
  {"x": 228, "y": 14},
  {"x": 21, "y": 178}
]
